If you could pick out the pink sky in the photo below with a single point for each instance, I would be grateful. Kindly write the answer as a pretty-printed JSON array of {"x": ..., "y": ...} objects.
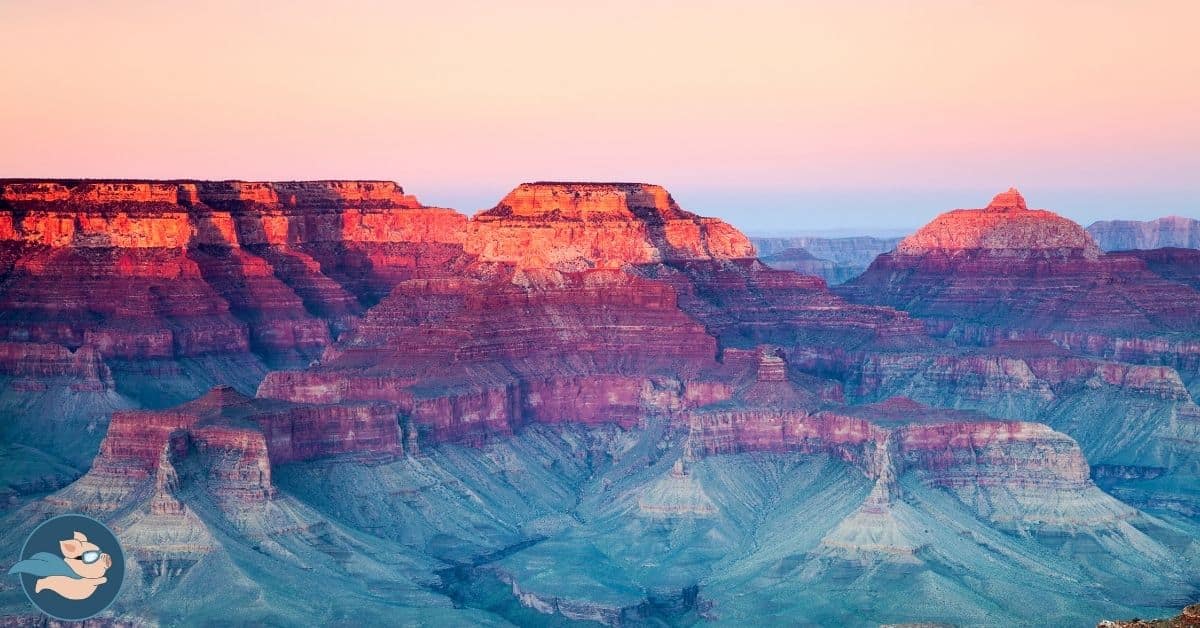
[{"x": 782, "y": 104}]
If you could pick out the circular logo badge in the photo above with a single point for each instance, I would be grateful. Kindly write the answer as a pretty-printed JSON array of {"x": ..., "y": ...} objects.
[{"x": 71, "y": 567}]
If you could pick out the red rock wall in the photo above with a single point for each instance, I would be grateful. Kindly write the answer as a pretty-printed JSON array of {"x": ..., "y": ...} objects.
[
  {"x": 82, "y": 367},
  {"x": 305, "y": 433},
  {"x": 136, "y": 438},
  {"x": 993, "y": 452},
  {"x": 236, "y": 461},
  {"x": 725, "y": 431},
  {"x": 571, "y": 226},
  {"x": 947, "y": 452},
  {"x": 1005, "y": 272},
  {"x": 169, "y": 269},
  {"x": 216, "y": 426}
]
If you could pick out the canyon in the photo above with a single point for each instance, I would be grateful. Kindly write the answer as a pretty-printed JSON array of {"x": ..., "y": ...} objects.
[
  {"x": 1161, "y": 233},
  {"x": 836, "y": 260},
  {"x": 588, "y": 404}
]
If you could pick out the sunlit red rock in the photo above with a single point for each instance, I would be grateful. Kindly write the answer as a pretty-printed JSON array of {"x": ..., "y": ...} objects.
[
  {"x": 166, "y": 270},
  {"x": 466, "y": 358},
  {"x": 1005, "y": 227},
  {"x": 572, "y": 226},
  {"x": 580, "y": 303},
  {"x": 1009, "y": 273}
]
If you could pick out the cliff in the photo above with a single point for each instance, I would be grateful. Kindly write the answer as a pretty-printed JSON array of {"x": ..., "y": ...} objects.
[
  {"x": 587, "y": 303},
  {"x": 1179, "y": 265},
  {"x": 845, "y": 251},
  {"x": 1006, "y": 227},
  {"x": 1013, "y": 473},
  {"x": 571, "y": 226},
  {"x": 1120, "y": 413},
  {"x": 803, "y": 262},
  {"x": 174, "y": 214},
  {"x": 469, "y": 359},
  {"x": 224, "y": 271},
  {"x": 1009, "y": 272},
  {"x": 288, "y": 432},
  {"x": 236, "y": 440}
]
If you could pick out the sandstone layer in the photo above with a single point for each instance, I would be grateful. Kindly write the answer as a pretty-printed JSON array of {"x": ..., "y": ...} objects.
[
  {"x": 175, "y": 269},
  {"x": 578, "y": 302},
  {"x": 1008, "y": 272}
]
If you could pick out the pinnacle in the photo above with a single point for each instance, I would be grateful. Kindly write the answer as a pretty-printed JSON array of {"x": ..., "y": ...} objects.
[{"x": 1010, "y": 200}]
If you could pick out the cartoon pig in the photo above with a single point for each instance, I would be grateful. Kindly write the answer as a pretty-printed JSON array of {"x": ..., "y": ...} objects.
[{"x": 75, "y": 575}]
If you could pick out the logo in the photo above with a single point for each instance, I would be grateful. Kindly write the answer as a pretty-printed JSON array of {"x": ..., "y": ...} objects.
[{"x": 71, "y": 567}]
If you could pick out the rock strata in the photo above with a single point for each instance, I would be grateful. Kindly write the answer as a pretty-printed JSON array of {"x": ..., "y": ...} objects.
[
  {"x": 1127, "y": 235},
  {"x": 586, "y": 303},
  {"x": 1008, "y": 272},
  {"x": 571, "y": 226}
]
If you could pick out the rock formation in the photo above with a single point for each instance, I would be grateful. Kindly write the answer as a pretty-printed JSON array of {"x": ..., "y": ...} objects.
[
  {"x": 1188, "y": 618},
  {"x": 1006, "y": 227},
  {"x": 589, "y": 402},
  {"x": 579, "y": 303},
  {"x": 1180, "y": 265},
  {"x": 573, "y": 226},
  {"x": 801, "y": 261},
  {"x": 836, "y": 260},
  {"x": 144, "y": 270},
  {"x": 1006, "y": 271},
  {"x": 1127, "y": 235},
  {"x": 222, "y": 418}
]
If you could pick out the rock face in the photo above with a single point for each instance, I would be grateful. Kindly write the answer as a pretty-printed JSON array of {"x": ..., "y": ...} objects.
[
  {"x": 33, "y": 363},
  {"x": 1127, "y": 235},
  {"x": 1009, "y": 272},
  {"x": 595, "y": 404},
  {"x": 175, "y": 279},
  {"x": 801, "y": 261},
  {"x": 588, "y": 303},
  {"x": 850, "y": 251},
  {"x": 1181, "y": 265},
  {"x": 235, "y": 439},
  {"x": 572, "y": 226},
  {"x": 224, "y": 418},
  {"x": 1005, "y": 228},
  {"x": 1188, "y": 618},
  {"x": 971, "y": 455}
]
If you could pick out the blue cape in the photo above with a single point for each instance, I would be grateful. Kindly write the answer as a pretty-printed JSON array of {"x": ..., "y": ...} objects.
[{"x": 44, "y": 564}]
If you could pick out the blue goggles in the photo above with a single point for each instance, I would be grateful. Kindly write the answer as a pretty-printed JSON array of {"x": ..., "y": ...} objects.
[{"x": 90, "y": 557}]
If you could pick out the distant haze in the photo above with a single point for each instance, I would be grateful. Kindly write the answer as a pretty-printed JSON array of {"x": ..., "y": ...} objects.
[{"x": 780, "y": 117}]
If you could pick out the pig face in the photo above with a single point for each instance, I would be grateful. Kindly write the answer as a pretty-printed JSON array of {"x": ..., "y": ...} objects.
[{"x": 84, "y": 557}]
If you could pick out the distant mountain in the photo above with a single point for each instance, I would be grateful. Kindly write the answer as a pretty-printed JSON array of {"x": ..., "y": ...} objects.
[
  {"x": 834, "y": 259},
  {"x": 1127, "y": 235}
]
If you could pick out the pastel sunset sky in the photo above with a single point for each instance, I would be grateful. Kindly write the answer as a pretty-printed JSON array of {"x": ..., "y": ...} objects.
[{"x": 778, "y": 116}]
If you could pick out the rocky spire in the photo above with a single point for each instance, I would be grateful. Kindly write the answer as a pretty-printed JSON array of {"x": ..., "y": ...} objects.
[
  {"x": 166, "y": 484},
  {"x": 1007, "y": 201}
]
